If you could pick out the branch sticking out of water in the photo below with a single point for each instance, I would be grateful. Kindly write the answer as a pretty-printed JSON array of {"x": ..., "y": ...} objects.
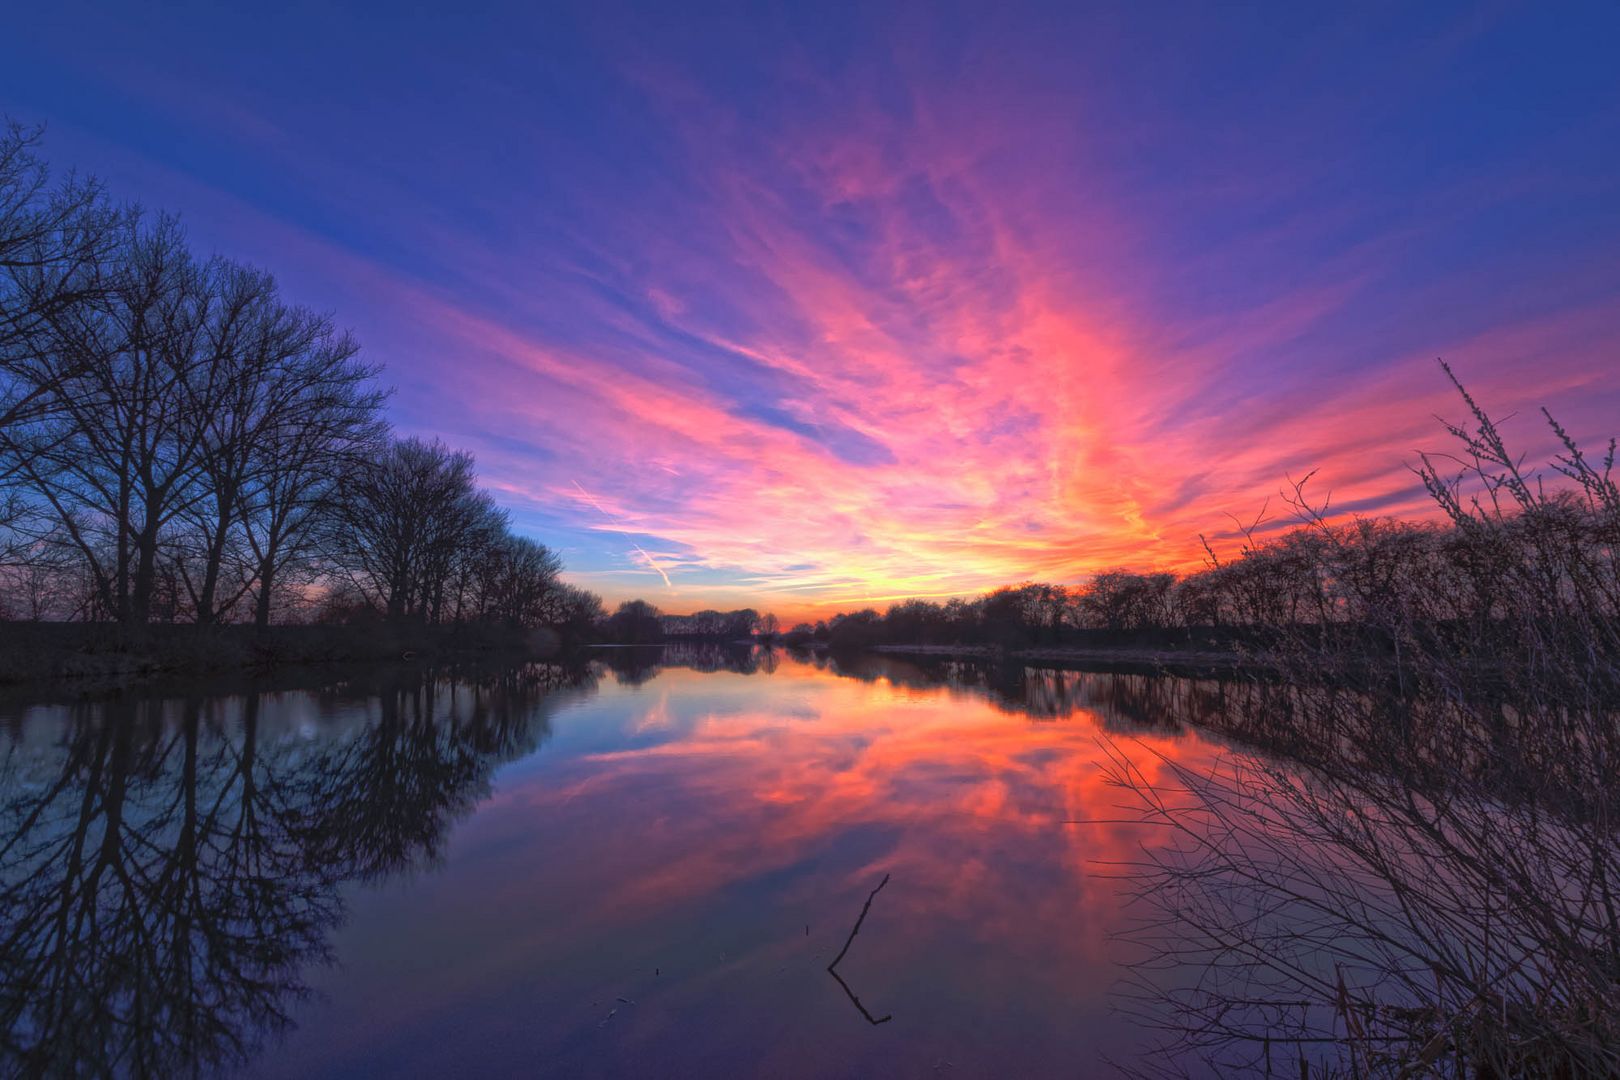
[{"x": 832, "y": 967}]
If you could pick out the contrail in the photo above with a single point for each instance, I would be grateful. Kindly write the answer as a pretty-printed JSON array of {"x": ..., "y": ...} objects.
[
  {"x": 670, "y": 585},
  {"x": 659, "y": 570},
  {"x": 591, "y": 499}
]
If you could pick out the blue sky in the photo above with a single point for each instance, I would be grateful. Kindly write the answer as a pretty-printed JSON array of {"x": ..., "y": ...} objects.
[{"x": 808, "y": 306}]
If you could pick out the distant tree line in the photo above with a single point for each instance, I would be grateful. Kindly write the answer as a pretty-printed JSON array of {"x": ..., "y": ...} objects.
[
  {"x": 1504, "y": 543},
  {"x": 1319, "y": 574},
  {"x": 1451, "y": 806},
  {"x": 179, "y": 443},
  {"x": 637, "y": 622}
]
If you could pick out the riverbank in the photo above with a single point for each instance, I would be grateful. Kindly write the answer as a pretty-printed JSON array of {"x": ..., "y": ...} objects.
[
  {"x": 47, "y": 652},
  {"x": 41, "y": 652},
  {"x": 1157, "y": 657}
]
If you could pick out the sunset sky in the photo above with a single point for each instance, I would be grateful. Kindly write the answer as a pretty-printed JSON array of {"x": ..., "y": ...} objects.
[{"x": 816, "y": 306}]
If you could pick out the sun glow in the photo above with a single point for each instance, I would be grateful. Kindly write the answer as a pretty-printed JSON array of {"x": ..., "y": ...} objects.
[{"x": 907, "y": 317}]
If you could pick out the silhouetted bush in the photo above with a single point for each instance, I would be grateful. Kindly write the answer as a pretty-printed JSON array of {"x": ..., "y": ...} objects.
[{"x": 635, "y": 622}]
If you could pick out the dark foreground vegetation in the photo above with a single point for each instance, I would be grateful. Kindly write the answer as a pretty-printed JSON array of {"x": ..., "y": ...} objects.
[
  {"x": 181, "y": 445},
  {"x": 1422, "y": 871},
  {"x": 1507, "y": 547},
  {"x": 1410, "y": 864}
]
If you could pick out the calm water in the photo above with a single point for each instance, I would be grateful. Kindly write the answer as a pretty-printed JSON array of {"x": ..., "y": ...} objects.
[{"x": 636, "y": 869}]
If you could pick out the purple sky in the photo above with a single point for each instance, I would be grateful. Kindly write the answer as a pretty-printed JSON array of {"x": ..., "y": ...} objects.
[{"x": 810, "y": 306}]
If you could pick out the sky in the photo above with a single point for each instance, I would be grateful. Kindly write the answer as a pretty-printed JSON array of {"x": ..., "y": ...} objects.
[{"x": 814, "y": 306}]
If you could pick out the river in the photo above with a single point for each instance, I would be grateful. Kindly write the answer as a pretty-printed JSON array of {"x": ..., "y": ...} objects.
[{"x": 641, "y": 866}]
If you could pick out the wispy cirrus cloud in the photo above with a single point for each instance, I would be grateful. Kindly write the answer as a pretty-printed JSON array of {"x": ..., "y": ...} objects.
[{"x": 916, "y": 302}]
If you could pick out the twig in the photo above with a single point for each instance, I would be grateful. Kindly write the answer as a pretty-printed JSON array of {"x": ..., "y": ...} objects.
[{"x": 831, "y": 968}]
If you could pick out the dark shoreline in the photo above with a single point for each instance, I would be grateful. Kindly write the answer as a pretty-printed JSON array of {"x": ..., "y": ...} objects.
[
  {"x": 83, "y": 653},
  {"x": 104, "y": 653},
  {"x": 1166, "y": 659}
]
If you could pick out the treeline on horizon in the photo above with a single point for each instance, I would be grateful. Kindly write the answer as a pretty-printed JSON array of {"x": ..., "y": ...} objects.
[
  {"x": 179, "y": 443},
  {"x": 1505, "y": 542},
  {"x": 1434, "y": 760},
  {"x": 638, "y": 622}
]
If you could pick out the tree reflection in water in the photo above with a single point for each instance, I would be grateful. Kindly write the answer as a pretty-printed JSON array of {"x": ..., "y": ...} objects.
[
  {"x": 1371, "y": 892},
  {"x": 1363, "y": 894},
  {"x": 1364, "y": 883},
  {"x": 169, "y": 869},
  {"x": 635, "y": 665}
]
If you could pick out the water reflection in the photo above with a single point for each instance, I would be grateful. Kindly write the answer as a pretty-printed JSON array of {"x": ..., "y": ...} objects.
[
  {"x": 1355, "y": 893},
  {"x": 169, "y": 866},
  {"x": 646, "y": 866}
]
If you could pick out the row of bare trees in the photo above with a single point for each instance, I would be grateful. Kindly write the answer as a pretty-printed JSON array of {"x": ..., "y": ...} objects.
[
  {"x": 178, "y": 442},
  {"x": 1411, "y": 868},
  {"x": 412, "y": 536},
  {"x": 1408, "y": 869},
  {"x": 1031, "y": 613},
  {"x": 637, "y": 622},
  {"x": 721, "y": 625},
  {"x": 1506, "y": 542}
]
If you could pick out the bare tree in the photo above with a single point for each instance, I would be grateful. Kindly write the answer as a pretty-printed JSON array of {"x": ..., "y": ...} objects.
[
  {"x": 114, "y": 461},
  {"x": 54, "y": 241},
  {"x": 399, "y": 523},
  {"x": 636, "y": 622},
  {"x": 178, "y": 442},
  {"x": 1417, "y": 873},
  {"x": 518, "y": 578},
  {"x": 284, "y": 408},
  {"x": 325, "y": 423}
]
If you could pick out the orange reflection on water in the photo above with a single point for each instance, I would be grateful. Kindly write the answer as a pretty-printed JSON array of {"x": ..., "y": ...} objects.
[
  {"x": 1002, "y": 825},
  {"x": 659, "y": 889}
]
